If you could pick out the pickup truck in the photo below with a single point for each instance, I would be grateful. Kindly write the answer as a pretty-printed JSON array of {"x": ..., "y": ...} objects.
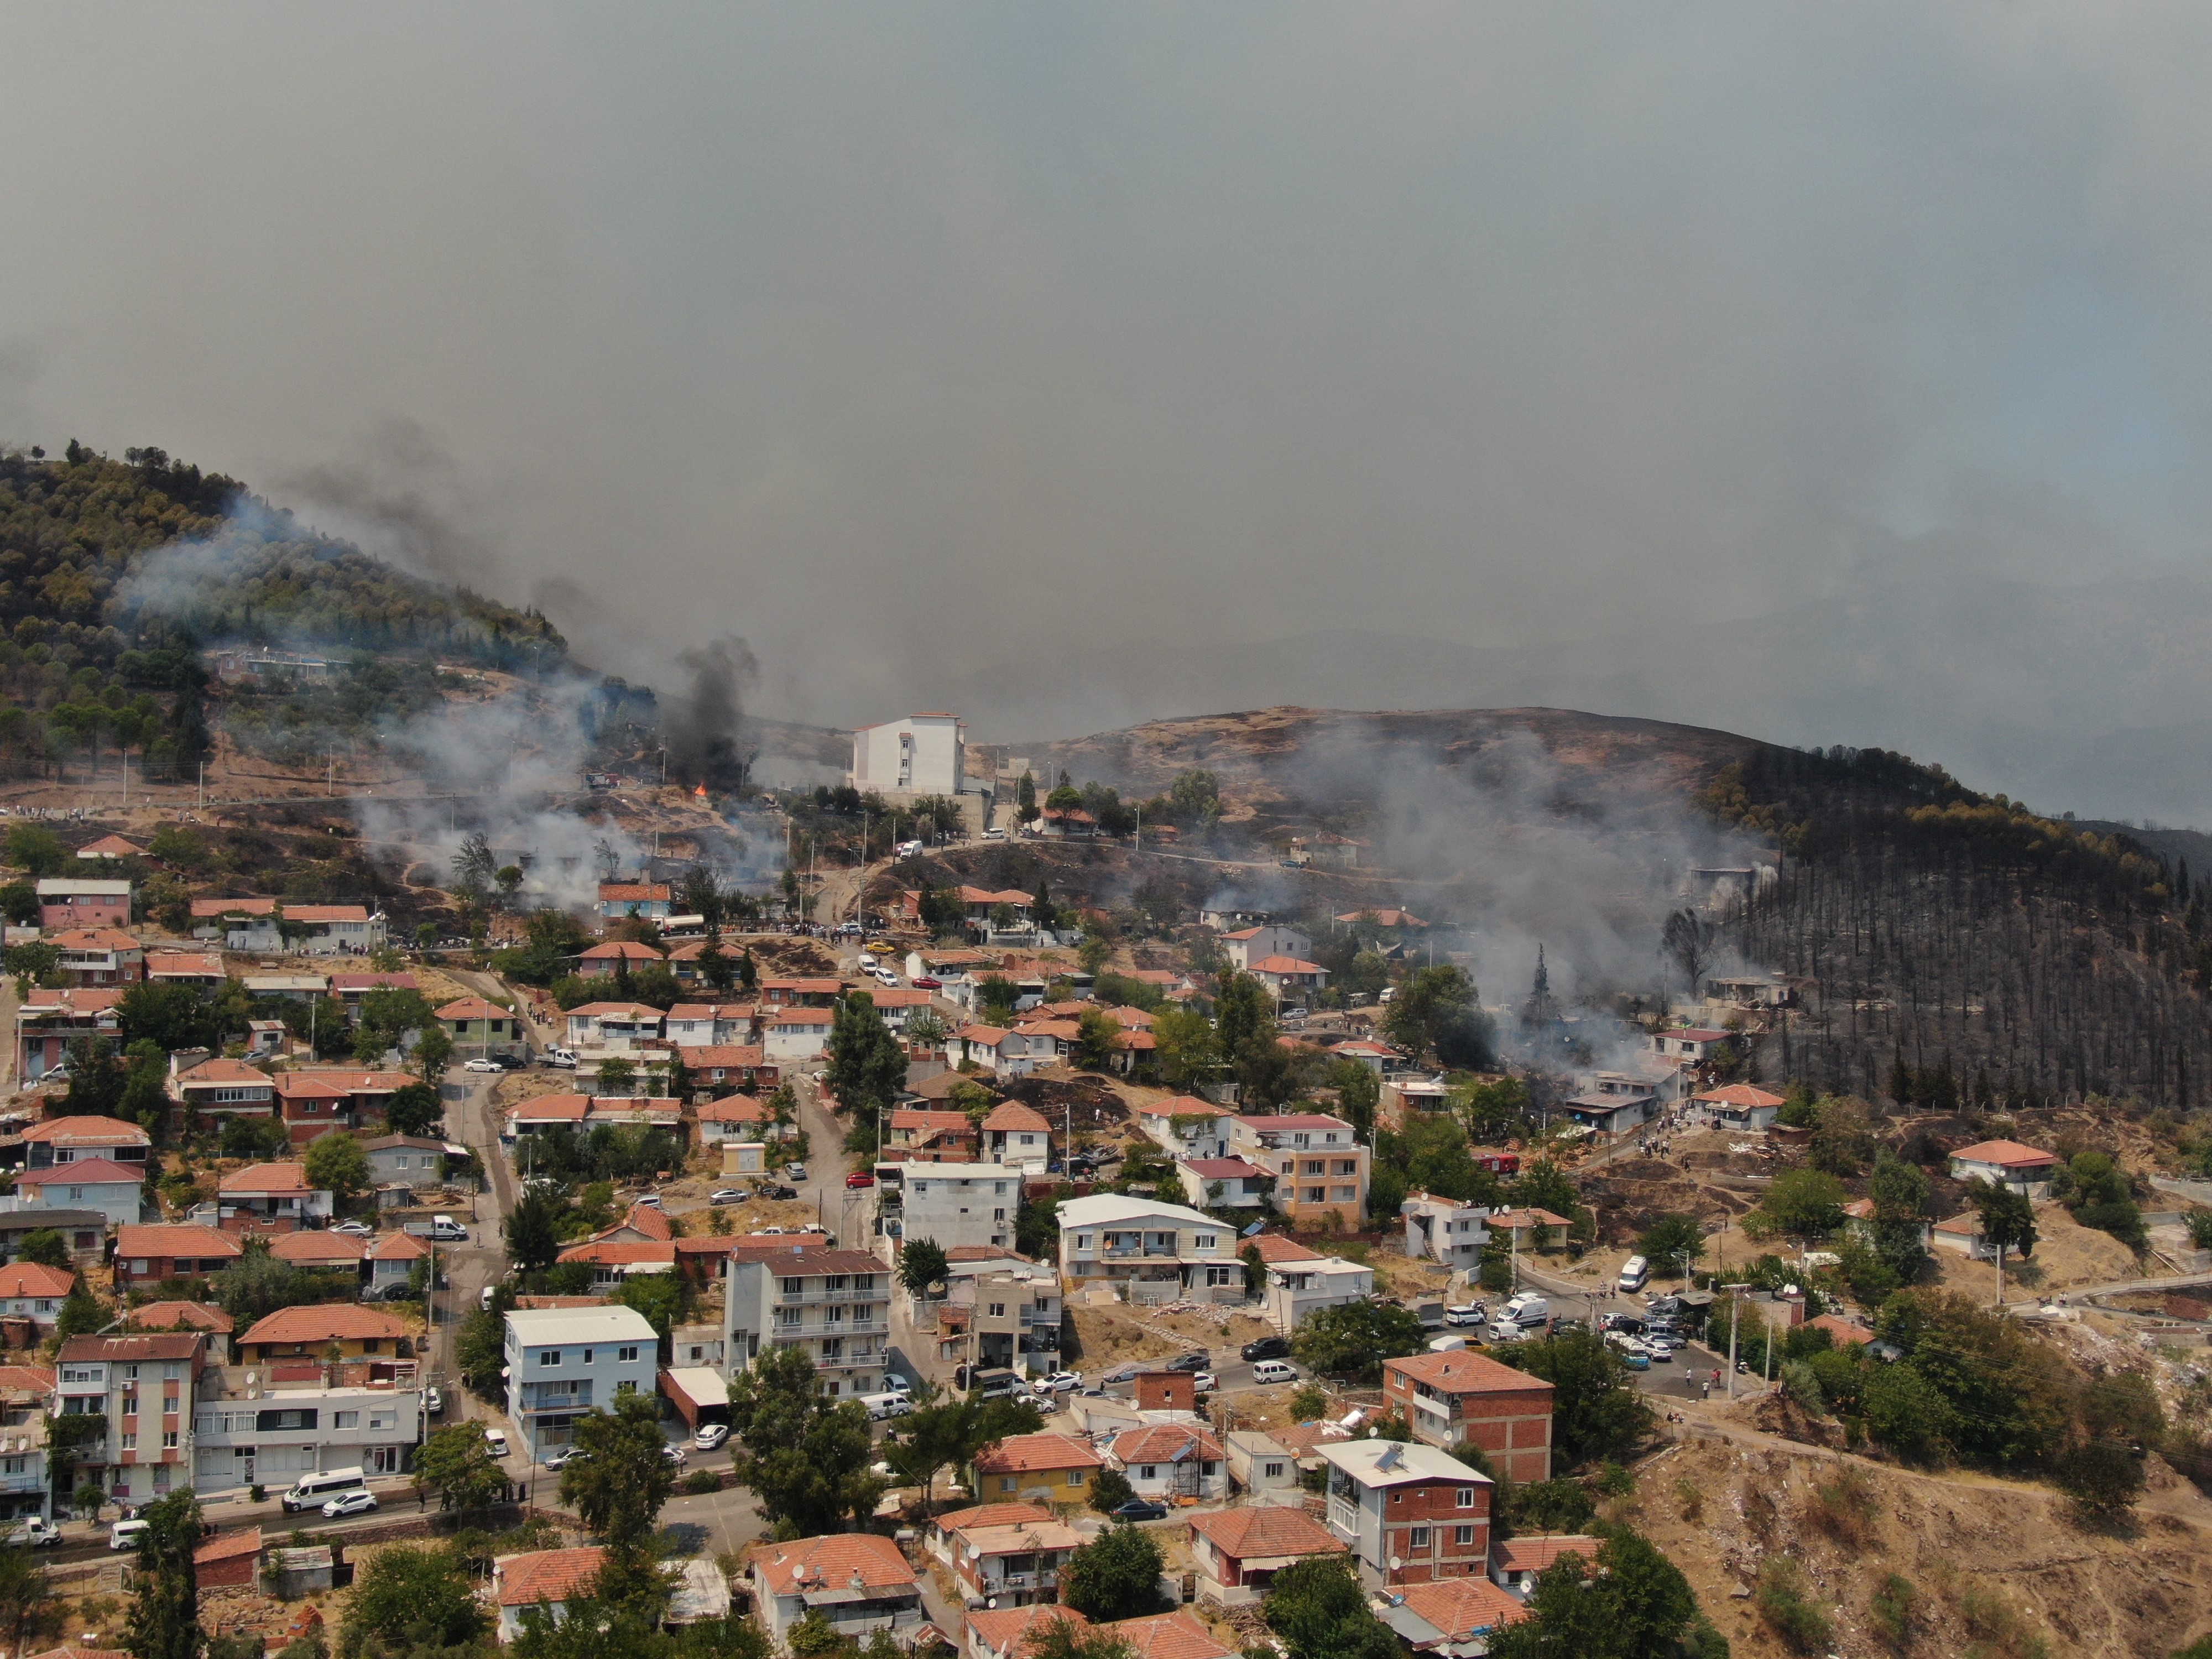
[{"x": 31, "y": 1534}]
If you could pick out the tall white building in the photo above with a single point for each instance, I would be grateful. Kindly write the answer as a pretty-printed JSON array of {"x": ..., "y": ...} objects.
[
  {"x": 921, "y": 755},
  {"x": 834, "y": 1304},
  {"x": 961, "y": 1204},
  {"x": 562, "y": 1363}
]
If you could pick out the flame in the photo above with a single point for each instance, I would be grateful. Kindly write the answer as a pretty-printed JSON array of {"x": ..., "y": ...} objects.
[{"x": 700, "y": 792}]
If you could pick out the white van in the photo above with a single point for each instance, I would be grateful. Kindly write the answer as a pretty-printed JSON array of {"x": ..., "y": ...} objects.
[
  {"x": 1633, "y": 1273},
  {"x": 125, "y": 1535},
  {"x": 882, "y": 1406},
  {"x": 312, "y": 1491},
  {"x": 444, "y": 1230},
  {"x": 1267, "y": 1371},
  {"x": 1529, "y": 1308}
]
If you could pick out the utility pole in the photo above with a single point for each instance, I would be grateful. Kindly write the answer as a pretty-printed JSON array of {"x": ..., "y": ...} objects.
[
  {"x": 202, "y": 786},
  {"x": 1736, "y": 1323}
]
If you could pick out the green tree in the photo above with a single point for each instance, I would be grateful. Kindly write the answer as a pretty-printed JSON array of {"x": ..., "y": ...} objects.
[
  {"x": 171, "y": 1016},
  {"x": 662, "y": 1299},
  {"x": 2007, "y": 1222},
  {"x": 44, "y": 1245},
  {"x": 1359, "y": 1092},
  {"x": 2103, "y": 1476},
  {"x": 1025, "y": 800},
  {"x": 19, "y": 903},
  {"x": 1109, "y": 1490},
  {"x": 413, "y": 1598},
  {"x": 434, "y": 1053},
  {"x": 337, "y": 1163},
  {"x": 1669, "y": 1241},
  {"x": 867, "y": 1064},
  {"x": 1116, "y": 1576},
  {"x": 618, "y": 1486},
  {"x": 1318, "y": 1610},
  {"x": 533, "y": 1231},
  {"x": 1900, "y": 1191},
  {"x": 805, "y": 1458},
  {"x": 1804, "y": 1204},
  {"x": 415, "y": 1109},
  {"x": 922, "y": 1264},
  {"x": 455, "y": 1463},
  {"x": 1184, "y": 1047},
  {"x": 36, "y": 850},
  {"x": 164, "y": 1622},
  {"x": 1596, "y": 1411},
  {"x": 1435, "y": 1011},
  {"x": 1631, "y": 1603},
  {"x": 1098, "y": 1036},
  {"x": 1843, "y": 1142},
  {"x": 81, "y": 1313},
  {"x": 1355, "y": 1337},
  {"x": 26, "y": 1597}
]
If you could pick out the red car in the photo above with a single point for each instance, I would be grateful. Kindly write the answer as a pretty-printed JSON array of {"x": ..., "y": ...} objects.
[
  {"x": 859, "y": 1178},
  {"x": 927, "y": 984}
]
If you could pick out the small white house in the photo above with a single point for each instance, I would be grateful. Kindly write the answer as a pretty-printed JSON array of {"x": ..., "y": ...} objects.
[
  {"x": 2025, "y": 1169},
  {"x": 550, "y": 1578},
  {"x": 1445, "y": 1229},
  {"x": 116, "y": 1190},
  {"x": 1169, "y": 1459},
  {"x": 789, "y": 1033}
]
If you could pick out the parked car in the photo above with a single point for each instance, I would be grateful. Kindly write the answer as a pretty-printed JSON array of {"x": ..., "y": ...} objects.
[
  {"x": 926, "y": 983},
  {"x": 886, "y": 1405},
  {"x": 1621, "y": 1322},
  {"x": 1187, "y": 1362},
  {"x": 859, "y": 1178},
  {"x": 1633, "y": 1273},
  {"x": 1668, "y": 1303},
  {"x": 1636, "y": 1359},
  {"x": 1123, "y": 1373},
  {"x": 894, "y": 1383},
  {"x": 1529, "y": 1308},
  {"x": 1465, "y": 1313},
  {"x": 710, "y": 1435},
  {"x": 355, "y": 1230},
  {"x": 566, "y": 1456},
  {"x": 676, "y": 1454},
  {"x": 1267, "y": 1373},
  {"x": 482, "y": 1065},
  {"x": 1141, "y": 1509},
  {"x": 1059, "y": 1382},
  {"x": 496, "y": 1439},
  {"x": 1267, "y": 1347},
  {"x": 728, "y": 1195},
  {"x": 794, "y": 1172},
  {"x": 351, "y": 1503},
  {"x": 434, "y": 1401},
  {"x": 770, "y": 1190},
  {"x": 125, "y": 1535},
  {"x": 563, "y": 1060},
  {"x": 1204, "y": 1382},
  {"x": 32, "y": 1533}
]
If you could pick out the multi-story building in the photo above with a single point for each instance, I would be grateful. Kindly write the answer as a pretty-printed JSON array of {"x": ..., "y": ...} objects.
[
  {"x": 142, "y": 1389},
  {"x": 66, "y": 901},
  {"x": 1057, "y": 1465},
  {"x": 1301, "y": 1281},
  {"x": 1005, "y": 1317},
  {"x": 49, "y": 1019},
  {"x": 260, "y": 1428},
  {"x": 1018, "y": 1136},
  {"x": 33, "y": 1293},
  {"x": 115, "y": 1190},
  {"x": 834, "y": 1304},
  {"x": 921, "y": 755},
  {"x": 562, "y": 1363},
  {"x": 1445, "y": 1229},
  {"x": 1186, "y": 1127},
  {"x": 326, "y": 1330},
  {"x": 1451, "y": 1397},
  {"x": 1005, "y": 1554},
  {"x": 27, "y": 1394},
  {"x": 98, "y": 956},
  {"x": 856, "y": 1582},
  {"x": 221, "y": 1087},
  {"x": 65, "y": 1139},
  {"x": 149, "y": 1254},
  {"x": 1157, "y": 1252},
  {"x": 1225, "y": 1183},
  {"x": 1408, "y": 1512},
  {"x": 958, "y": 1204},
  {"x": 1319, "y": 1165}
]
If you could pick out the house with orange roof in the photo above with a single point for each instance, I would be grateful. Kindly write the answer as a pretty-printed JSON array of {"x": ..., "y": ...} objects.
[
  {"x": 1167, "y": 1636},
  {"x": 710, "y": 1024},
  {"x": 1012, "y": 1633},
  {"x": 616, "y": 957},
  {"x": 1449, "y": 1398},
  {"x": 600, "y": 1029},
  {"x": 1686, "y": 1045},
  {"x": 1005, "y": 1555},
  {"x": 1169, "y": 1459},
  {"x": 634, "y": 898},
  {"x": 734, "y": 1117},
  {"x": 312, "y": 1330},
  {"x": 148, "y": 1255},
  {"x": 733, "y": 1065},
  {"x": 111, "y": 847},
  {"x": 1740, "y": 1106},
  {"x": 318, "y": 1247},
  {"x": 209, "y": 1320},
  {"x": 98, "y": 956},
  {"x": 807, "y": 993},
  {"x": 1289, "y": 980},
  {"x": 185, "y": 966},
  {"x": 1185, "y": 1126},
  {"x": 1531, "y": 1228},
  {"x": 1058, "y": 1465},
  {"x": 117, "y": 1191},
  {"x": 917, "y": 1135},
  {"x": 1455, "y": 1618},
  {"x": 1018, "y": 1135},
  {"x": 391, "y": 1261},
  {"x": 29, "y": 1290},
  {"x": 217, "y": 1087},
  {"x": 1238, "y": 1551},
  {"x": 547, "y": 1578},
  {"x": 1515, "y": 1564},
  {"x": 2025, "y": 1169},
  {"x": 1247, "y": 945},
  {"x": 795, "y": 1033},
  {"x": 275, "y": 1193},
  {"x": 64, "y": 1139},
  {"x": 50, "y": 1018},
  {"x": 479, "y": 1027},
  {"x": 268, "y": 927},
  {"x": 1301, "y": 1281},
  {"x": 856, "y": 1582}
]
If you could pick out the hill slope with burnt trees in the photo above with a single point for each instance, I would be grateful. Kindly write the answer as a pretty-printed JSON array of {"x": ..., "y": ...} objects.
[{"x": 1961, "y": 944}]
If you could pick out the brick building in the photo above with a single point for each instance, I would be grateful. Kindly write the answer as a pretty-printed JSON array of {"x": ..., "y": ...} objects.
[
  {"x": 1451, "y": 1397},
  {"x": 1408, "y": 1513}
]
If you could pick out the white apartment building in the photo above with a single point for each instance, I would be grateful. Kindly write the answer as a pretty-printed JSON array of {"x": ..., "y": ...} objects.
[
  {"x": 921, "y": 755},
  {"x": 1247, "y": 945},
  {"x": 1445, "y": 1229},
  {"x": 143, "y": 1387},
  {"x": 564, "y": 1361},
  {"x": 254, "y": 1433},
  {"x": 26, "y": 1488},
  {"x": 835, "y": 1304},
  {"x": 1154, "y": 1252},
  {"x": 959, "y": 1204},
  {"x": 1186, "y": 1127}
]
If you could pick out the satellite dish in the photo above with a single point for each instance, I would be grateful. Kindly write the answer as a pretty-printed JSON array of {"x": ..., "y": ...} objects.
[{"x": 1395, "y": 1564}]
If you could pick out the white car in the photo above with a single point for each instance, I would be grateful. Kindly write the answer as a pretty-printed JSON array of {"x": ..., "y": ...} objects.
[
  {"x": 1204, "y": 1382},
  {"x": 1465, "y": 1313},
  {"x": 1059, "y": 1382},
  {"x": 496, "y": 1440},
  {"x": 710, "y": 1435},
  {"x": 349, "y": 1503},
  {"x": 868, "y": 962},
  {"x": 353, "y": 1230},
  {"x": 676, "y": 1454},
  {"x": 794, "y": 1172},
  {"x": 894, "y": 1383},
  {"x": 492, "y": 1066}
]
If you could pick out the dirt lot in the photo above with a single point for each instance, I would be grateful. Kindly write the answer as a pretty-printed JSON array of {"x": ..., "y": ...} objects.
[{"x": 1113, "y": 1333}]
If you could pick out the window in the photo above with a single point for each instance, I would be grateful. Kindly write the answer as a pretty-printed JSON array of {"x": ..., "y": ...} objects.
[
  {"x": 794, "y": 1286},
  {"x": 998, "y": 1215},
  {"x": 1271, "y": 1471},
  {"x": 347, "y": 1420},
  {"x": 1467, "y": 1498},
  {"x": 1147, "y": 1471},
  {"x": 626, "y": 1356},
  {"x": 130, "y": 1440},
  {"x": 1417, "y": 1539},
  {"x": 1074, "y": 1476},
  {"x": 549, "y": 1357},
  {"x": 169, "y": 1440},
  {"x": 998, "y": 1311},
  {"x": 1462, "y": 1536},
  {"x": 587, "y": 1356}
]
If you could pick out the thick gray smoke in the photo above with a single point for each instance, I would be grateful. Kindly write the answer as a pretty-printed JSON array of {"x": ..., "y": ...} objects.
[
  {"x": 704, "y": 724},
  {"x": 400, "y": 496}
]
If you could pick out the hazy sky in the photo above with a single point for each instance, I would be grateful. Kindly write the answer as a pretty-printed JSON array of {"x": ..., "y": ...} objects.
[{"x": 908, "y": 340}]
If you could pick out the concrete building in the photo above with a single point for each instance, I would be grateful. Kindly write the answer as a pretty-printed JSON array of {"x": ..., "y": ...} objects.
[
  {"x": 1261, "y": 1467},
  {"x": 33, "y": 1293},
  {"x": 1225, "y": 1183},
  {"x": 855, "y": 1583},
  {"x": 1451, "y": 1397},
  {"x": 27, "y": 1394},
  {"x": 149, "y": 1254},
  {"x": 1018, "y": 1137},
  {"x": 1238, "y": 1551},
  {"x": 115, "y": 1190},
  {"x": 1186, "y": 1127},
  {"x": 1052, "y": 1469},
  {"x": 1151, "y": 1252},
  {"x": 1740, "y": 1106},
  {"x": 960, "y": 1204},
  {"x": 547, "y": 1578},
  {"x": 1445, "y": 1229},
  {"x": 1320, "y": 1167},
  {"x": 50, "y": 1018},
  {"x": 98, "y": 956},
  {"x": 921, "y": 755},
  {"x": 1248, "y": 946},
  {"x": 1408, "y": 1512},
  {"x": 835, "y": 1304},
  {"x": 143, "y": 1387},
  {"x": 1302, "y": 1281},
  {"x": 1007, "y": 1316},
  {"x": 2025, "y": 1169},
  {"x": 1005, "y": 1555},
  {"x": 790, "y": 1034},
  {"x": 1171, "y": 1460},
  {"x": 67, "y": 902},
  {"x": 564, "y": 1361},
  {"x": 219, "y": 1087},
  {"x": 271, "y": 1429},
  {"x": 276, "y": 1193}
]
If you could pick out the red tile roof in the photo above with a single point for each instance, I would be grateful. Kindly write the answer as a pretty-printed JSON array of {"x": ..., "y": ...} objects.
[
  {"x": 29, "y": 1279},
  {"x": 1168, "y": 1636},
  {"x": 638, "y": 892},
  {"x": 155, "y": 1241},
  {"x": 1285, "y": 965},
  {"x": 228, "y": 1547},
  {"x": 734, "y": 1109},
  {"x": 621, "y": 1252},
  {"x": 268, "y": 1178},
  {"x": 982, "y": 1517},
  {"x": 1166, "y": 1443},
  {"x": 831, "y": 1563},
  {"x": 1010, "y": 1116},
  {"x": 2007, "y": 1154},
  {"x": 546, "y": 1109},
  {"x": 1462, "y": 1607},
  {"x": 549, "y": 1575},
  {"x": 1274, "y": 1249},
  {"x": 998, "y": 1629},
  {"x": 620, "y": 950},
  {"x": 399, "y": 1247},
  {"x": 473, "y": 1008},
  {"x": 727, "y": 1056},
  {"x": 1182, "y": 1106},
  {"x": 1023, "y": 1453},
  {"x": 323, "y": 1321},
  {"x": 221, "y": 1070},
  {"x": 1462, "y": 1372},
  {"x": 173, "y": 1315},
  {"x": 1841, "y": 1332},
  {"x": 1738, "y": 1094},
  {"x": 1537, "y": 1553},
  {"x": 85, "y": 1172},
  {"x": 318, "y": 1248},
  {"x": 1265, "y": 1529}
]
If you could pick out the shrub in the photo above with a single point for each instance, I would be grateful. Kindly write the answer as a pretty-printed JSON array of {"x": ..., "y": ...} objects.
[
  {"x": 1802, "y": 1384},
  {"x": 1692, "y": 1497},
  {"x": 703, "y": 1481},
  {"x": 1844, "y": 1507},
  {"x": 1895, "y": 1606},
  {"x": 1109, "y": 1490},
  {"x": 2102, "y": 1476},
  {"x": 1783, "y": 1602},
  {"x": 1614, "y": 1481}
]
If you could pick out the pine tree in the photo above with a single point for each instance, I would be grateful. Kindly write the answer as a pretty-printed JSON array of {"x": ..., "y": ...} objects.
[{"x": 1901, "y": 1086}]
